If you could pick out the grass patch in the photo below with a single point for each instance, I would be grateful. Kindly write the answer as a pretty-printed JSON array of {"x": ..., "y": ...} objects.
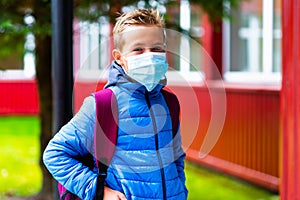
[
  {"x": 19, "y": 146},
  {"x": 205, "y": 184},
  {"x": 20, "y": 174}
]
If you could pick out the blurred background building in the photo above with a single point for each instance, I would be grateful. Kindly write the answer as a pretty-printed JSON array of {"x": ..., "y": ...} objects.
[{"x": 245, "y": 50}]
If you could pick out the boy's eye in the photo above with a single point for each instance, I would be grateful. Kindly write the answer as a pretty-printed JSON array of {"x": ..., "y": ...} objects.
[
  {"x": 138, "y": 49},
  {"x": 157, "y": 49}
]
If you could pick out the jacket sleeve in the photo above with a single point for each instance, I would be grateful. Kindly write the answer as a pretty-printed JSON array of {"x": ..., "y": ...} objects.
[
  {"x": 75, "y": 139},
  {"x": 179, "y": 158}
]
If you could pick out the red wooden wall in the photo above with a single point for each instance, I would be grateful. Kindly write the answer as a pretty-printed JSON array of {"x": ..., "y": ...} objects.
[
  {"x": 18, "y": 97},
  {"x": 248, "y": 146}
]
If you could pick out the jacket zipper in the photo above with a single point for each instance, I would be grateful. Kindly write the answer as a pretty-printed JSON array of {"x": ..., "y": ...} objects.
[{"x": 162, "y": 172}]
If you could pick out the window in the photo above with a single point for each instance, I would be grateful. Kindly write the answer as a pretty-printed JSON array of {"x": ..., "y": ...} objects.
[
  {"x": 185, "y": 52},
  {"x": 252, "y": 42},
  {"x": 92, "y": 48}
]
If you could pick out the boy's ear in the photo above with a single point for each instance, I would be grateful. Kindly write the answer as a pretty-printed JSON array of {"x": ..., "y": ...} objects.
[{"x": 118, "y": 57}]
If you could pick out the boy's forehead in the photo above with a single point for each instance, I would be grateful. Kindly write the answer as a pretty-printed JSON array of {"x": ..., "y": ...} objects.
[{"x": 142, "y": 34}]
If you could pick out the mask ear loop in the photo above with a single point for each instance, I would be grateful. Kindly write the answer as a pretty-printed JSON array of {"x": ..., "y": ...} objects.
[
  {"x": 125, "y": 62},
  {"x": 123, "y": 68},
  {"x": 165, "y": 38}
]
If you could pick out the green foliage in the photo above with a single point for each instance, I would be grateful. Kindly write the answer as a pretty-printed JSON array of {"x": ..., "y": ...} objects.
[
  {"x": 92, "y": 9},
  {"x": 12, "y": 43},
  {"x": 14, "y": 11},
  {"x": 13, "y": 27}
]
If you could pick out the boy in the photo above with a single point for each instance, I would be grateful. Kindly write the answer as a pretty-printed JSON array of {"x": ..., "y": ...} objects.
[{"x": 148, "y": 162}]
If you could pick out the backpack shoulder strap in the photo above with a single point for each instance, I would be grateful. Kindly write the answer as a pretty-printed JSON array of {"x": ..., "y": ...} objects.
[
  {"x": 174, "y": 109},
  {"x": 105, "y": 134},
  {"x": 106, "y": 125}
]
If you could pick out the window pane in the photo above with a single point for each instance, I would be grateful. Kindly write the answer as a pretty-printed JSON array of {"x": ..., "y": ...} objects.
[
  {"x": 277, "y": 37},
  {"x": 246, "y": 33},
  {"x": 94, "y": 40},
  {"x": 197, "y": 32},
  {"x": 185, "y": 52},
  {"x": 173, "y": 42}
]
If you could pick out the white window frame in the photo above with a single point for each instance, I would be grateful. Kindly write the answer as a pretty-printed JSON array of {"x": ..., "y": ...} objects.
[{"x": 268, "y": 34}]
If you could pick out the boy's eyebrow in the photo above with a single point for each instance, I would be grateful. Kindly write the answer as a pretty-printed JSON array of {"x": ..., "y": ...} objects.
[{"x": 143, "y": 44}]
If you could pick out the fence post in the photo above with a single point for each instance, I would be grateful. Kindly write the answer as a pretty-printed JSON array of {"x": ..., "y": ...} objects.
[{"x": 290, "y": 104}]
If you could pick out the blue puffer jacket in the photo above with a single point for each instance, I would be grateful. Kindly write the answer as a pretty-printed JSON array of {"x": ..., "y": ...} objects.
[{"x": 148, "y": 162}]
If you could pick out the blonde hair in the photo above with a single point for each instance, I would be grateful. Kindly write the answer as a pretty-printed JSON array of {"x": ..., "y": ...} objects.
[{"x": 146, "y": 17}]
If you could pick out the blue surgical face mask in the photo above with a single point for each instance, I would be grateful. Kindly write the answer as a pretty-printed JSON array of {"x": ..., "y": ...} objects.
[{"x": 147, "y": 68}]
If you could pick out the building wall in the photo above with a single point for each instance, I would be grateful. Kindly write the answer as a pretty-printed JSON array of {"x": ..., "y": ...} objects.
[{"x": 248, "y": 146}]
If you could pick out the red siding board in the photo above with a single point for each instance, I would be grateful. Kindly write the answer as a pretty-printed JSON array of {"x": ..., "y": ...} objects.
[
  {"x": 250, "y": 135},
  {"x": 18, "y": 97}
]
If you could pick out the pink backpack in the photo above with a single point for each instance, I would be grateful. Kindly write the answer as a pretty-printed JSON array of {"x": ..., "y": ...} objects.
[{"x": 105, "y": 138}]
